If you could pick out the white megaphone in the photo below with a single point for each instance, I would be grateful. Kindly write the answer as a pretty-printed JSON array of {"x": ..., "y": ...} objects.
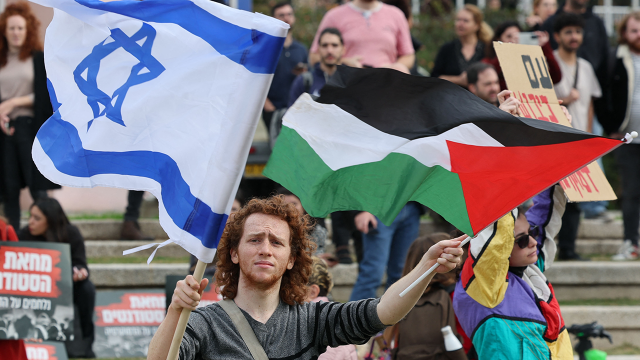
[{"x": 451, "y": 342}]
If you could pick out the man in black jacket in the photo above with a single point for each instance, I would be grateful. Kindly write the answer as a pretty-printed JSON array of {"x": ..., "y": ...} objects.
[{"x": 623, "y": 97}]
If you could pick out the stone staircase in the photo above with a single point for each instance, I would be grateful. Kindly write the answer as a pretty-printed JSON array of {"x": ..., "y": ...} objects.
[{"x": 572, "y": 281}]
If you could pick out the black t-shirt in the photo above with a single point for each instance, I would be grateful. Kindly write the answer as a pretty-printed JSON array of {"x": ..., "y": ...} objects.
[
  {"x": 450, "y": 60},
  {"x": 74, "y": 239}
]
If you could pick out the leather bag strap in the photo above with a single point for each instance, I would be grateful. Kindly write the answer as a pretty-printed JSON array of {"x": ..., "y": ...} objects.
[{"x": 245, "y": 330}]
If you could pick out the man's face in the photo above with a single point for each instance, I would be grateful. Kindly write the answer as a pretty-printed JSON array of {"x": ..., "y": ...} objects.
[
  {"x": 569, "y": 38},
  {"x": 527, "y": 256},
  {"x": 264, "y": 251},
  {"x": 285, "y": 13},
  {"x": 632, "y": 34},
  {"x": 487, "y": 87},
  {"x": 330, "y": 49}
]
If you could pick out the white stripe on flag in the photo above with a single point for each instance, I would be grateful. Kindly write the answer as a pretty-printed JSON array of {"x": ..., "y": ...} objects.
[{"x": 342, "y": 140}]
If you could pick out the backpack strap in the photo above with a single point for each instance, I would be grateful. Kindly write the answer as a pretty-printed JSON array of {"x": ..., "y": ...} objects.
[{"x": 245, "y": 330}]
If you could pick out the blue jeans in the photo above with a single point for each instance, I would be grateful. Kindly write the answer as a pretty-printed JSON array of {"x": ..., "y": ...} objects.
[{"x": 386, "y": 247}]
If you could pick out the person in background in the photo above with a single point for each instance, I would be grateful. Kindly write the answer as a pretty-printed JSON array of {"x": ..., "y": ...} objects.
[
  {"x": 130, "y": 226},
  {"x": 542, "y": 10},
  {"x": 509, "y": 32},
  {"x": 330, "y": 49},
  {"x": 483, "y": 82},
  {"x": 48, "y": 222},
  {"x": 403, "y": 5},
  {"x": 24, "y": 105},
  {"x": 319, "y": 287},
  {"x": 454, "y": 57},
  {"x": 623, "y": 98},
  {"x": 319, "y": 231},
  {"x": 292, "y": 62},
  {"x": 375, "y": 35},
  {"x": 384, "y": 248},
  {"x": 577, "y": 90},
  {"x": 595, "y": 45},
  {"x": 418, "y": 335},
  {"x": 12, "y": 349}
]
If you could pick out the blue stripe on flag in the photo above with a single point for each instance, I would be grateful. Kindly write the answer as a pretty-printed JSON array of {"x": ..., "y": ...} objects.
[
  {"x": 255, "y": 50},
  {"x": 60, "y": 141}
]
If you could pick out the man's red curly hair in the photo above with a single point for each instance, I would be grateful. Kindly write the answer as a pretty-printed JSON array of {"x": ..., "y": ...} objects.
[
  {"x": 293, "y": 286},
  {"x": 32, "y": 42}
]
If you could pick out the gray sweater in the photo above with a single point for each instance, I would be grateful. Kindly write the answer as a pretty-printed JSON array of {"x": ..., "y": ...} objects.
[{"x": 293, "y": 332}]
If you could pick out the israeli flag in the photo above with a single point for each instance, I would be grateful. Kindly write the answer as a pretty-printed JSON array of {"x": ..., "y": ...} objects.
[{"x": 157, "y": 95}]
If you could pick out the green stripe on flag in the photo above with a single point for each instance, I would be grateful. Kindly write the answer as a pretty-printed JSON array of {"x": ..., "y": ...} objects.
[{"x": 381, "y": 187}]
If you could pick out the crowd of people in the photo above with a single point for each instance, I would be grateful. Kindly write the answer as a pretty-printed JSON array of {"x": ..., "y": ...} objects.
[{"x": 596, "y": 83}]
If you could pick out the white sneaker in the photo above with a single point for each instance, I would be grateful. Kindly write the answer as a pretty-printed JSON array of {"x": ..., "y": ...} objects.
[{"x": 626, "y": 252}]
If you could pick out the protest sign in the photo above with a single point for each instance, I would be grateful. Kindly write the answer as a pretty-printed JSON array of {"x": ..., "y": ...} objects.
[
  {"x": 36, "y": 288},
  {"x": 527, "y": 75},
  {"x": 126, "y": 320},
  {"x": 47, "y": 350}
]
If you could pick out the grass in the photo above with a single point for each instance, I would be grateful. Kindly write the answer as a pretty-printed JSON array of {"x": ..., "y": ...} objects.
[
  {"x": 624, "y": 349},
  {"x": 601, "y": 302},
  {"x": 99, "y": 216},
  {"x": 138, "y": 260}
]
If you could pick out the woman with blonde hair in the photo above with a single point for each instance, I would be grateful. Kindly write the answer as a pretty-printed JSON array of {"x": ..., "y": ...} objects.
[{"x": 454, "y": 57}]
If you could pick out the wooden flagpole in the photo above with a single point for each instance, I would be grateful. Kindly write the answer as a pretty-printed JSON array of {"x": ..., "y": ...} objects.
[{"x": 184, "y": 317}]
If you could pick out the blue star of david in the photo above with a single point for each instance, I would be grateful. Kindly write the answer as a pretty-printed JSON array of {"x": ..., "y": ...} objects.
[{"x": 89, "y": 87}]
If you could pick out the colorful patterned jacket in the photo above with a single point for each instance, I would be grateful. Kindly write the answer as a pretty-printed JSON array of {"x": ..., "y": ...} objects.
[{"x": 509, "y": 316}]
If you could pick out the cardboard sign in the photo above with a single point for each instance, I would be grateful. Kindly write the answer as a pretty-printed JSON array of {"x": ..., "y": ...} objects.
[
  {"x": 47, "y": 350},
  {"x": 36, "y": 288},
  {"x": 526, "y": 72}
]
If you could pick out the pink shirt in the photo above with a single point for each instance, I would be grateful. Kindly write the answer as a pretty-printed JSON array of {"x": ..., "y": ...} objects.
[{"x": 379, "y": 36}]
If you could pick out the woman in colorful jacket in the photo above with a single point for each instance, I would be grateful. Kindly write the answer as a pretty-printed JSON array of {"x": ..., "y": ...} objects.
[{"x": 502, "y": 298}]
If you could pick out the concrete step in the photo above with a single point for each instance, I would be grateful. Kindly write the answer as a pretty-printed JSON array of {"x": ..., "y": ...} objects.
[
  {"x": 114, "y": 248},
  {"x": 134, "y": 275},
  {"x": 622, "y": 322},
  {"x": 597, "y": 246},
  {"x": 110, "y": 229}
]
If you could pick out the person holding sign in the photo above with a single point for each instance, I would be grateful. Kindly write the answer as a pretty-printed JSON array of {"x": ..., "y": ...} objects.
[
  {"x": 264, "y": 264},
  {"x": 577, "y": 90},
  {"x": 48, "y": 222}
]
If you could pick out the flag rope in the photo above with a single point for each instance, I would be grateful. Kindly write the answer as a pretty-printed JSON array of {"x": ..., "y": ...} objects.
[{"x": 148, "y": 246}]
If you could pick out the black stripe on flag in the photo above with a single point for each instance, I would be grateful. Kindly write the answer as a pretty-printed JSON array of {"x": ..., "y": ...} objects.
[{"x": 413, "y": 107}]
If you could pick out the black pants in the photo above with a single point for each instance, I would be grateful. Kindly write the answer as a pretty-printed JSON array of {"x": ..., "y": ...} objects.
[
  {"x": 569, "y": 230},
  {"x": 344, "y": 228},
  {"x": 19, "y": 169},
  {"x": 134, "y": 201},
  {"x": 628, "y": 159},
  {"x": 84, "y": 297}
]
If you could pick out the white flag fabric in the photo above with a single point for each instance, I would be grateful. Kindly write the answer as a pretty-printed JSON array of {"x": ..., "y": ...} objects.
[{"x": 157, "y": 95}]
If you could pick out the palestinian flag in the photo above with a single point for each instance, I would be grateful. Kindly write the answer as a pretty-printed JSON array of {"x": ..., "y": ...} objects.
[{"x": 377, "y": 138}]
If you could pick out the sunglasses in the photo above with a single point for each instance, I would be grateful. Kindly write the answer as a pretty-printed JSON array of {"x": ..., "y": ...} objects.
[{"x": 523, "y": 239}]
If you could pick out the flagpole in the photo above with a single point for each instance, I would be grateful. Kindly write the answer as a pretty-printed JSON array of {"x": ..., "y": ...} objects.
[
  {"x": 428, "y": 272},
  {"x": 184, "y": 316}
]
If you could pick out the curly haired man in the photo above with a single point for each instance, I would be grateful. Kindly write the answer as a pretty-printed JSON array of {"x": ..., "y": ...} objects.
[{"x": 264, "y": 264}]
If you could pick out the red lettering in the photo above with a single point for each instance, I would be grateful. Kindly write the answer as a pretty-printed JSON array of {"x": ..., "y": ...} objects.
[
  {"x": 583, "y": 182},
  {"x": 552, "y": 116},
  {"x": 576, "y": 183},
  {"x": 585, "y": 170},
  {"x": 523, "y": 109},
  {"x": 536, "y": 100}
]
